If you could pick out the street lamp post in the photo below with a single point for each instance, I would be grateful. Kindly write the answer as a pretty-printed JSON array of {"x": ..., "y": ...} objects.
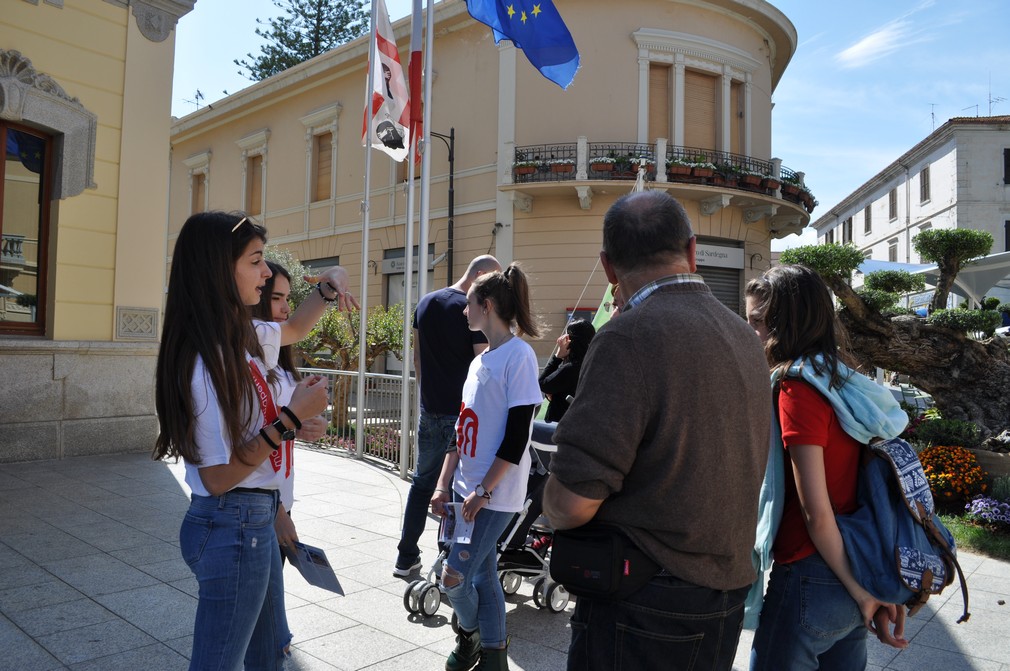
[{"x": 450, "y": 143}]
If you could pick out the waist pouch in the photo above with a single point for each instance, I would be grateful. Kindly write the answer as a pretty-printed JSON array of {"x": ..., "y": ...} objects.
[{"x": 599, "y": 561}]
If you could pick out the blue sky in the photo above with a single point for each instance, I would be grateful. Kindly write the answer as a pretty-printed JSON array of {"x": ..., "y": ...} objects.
[{"x": 869, "y": 79}]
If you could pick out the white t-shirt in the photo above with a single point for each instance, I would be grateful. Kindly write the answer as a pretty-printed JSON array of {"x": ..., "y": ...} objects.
[
  {"x": 499, "y": 379},
  {"x": 283, "y": 390},
  {"x": 210, "y": 431}
]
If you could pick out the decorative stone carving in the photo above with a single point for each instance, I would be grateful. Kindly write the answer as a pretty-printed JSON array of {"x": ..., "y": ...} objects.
[
  {"x": 136, "y": 323},
  {"x": 522, "y": 201},
  {"x": 585, "y": 196},
  {"x": 710, "y": 206},
  {"x": 35, "y": 98},
  {"x": 157, "y": 18}
]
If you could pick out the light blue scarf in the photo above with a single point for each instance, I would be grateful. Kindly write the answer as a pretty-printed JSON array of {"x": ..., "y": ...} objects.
[{"x": 865, "y": 410}]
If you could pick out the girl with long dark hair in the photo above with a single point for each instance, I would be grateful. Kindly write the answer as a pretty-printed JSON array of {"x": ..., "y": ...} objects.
[
  {"x": 489, "y": 468},
  {"x": 815, "y": 615},
  {"x": 560, "y": 376},
  {"x": 216, "y": 411}
]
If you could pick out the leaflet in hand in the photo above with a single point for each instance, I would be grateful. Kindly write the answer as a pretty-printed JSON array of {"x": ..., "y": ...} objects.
[
  {"x": 454, "y": 529},
  {"x": 312, "y": 563}
]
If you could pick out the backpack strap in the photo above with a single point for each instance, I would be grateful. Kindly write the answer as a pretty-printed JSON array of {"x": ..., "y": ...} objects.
[{"x": 950, "y": 558}]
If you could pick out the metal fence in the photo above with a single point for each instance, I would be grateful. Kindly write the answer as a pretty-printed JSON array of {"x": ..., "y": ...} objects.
[{"x": 381, "y": 417}]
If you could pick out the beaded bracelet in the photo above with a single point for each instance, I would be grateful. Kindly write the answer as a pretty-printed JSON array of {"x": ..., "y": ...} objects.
[{"x": 319, "y": 288}]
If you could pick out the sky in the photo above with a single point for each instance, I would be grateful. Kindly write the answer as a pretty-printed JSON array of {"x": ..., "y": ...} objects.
[{"x": 869, "y": 78}]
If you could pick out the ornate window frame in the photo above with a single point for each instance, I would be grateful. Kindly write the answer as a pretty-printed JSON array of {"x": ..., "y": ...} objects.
[
  {"x": 199, "y": 164},
  {"x": 322, "y": 121},
  {"x": 255, "y": 144}
]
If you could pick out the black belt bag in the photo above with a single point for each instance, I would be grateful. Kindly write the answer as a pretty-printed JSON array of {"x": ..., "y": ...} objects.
[{"x": 598, "y": 561}]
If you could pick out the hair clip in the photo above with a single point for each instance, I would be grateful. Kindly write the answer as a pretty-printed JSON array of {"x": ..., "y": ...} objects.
[{"x": 240, "y": 222}]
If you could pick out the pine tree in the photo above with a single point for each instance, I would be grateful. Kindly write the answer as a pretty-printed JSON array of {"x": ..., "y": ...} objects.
[{"x": 307, "y": 28}]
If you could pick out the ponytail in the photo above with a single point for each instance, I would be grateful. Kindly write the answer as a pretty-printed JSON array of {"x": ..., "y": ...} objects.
[{"x": 510, "y": 292}]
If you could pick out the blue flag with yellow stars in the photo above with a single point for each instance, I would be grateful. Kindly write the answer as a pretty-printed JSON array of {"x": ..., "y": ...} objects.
[{"x": 535, "y": 27}]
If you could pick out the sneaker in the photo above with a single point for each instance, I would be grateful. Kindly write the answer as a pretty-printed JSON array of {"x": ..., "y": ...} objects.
[{"x": 403, "y": 571}]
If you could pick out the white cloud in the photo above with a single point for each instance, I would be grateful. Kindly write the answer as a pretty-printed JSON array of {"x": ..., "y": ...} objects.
[{"x": 877, "y": 45}]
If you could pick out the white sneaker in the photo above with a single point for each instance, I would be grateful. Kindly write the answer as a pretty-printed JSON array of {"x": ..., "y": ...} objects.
[{"x": 403, "y": 572}]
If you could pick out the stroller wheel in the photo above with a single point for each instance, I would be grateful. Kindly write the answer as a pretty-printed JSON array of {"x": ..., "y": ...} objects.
[
  {"x": 510, "y": 581},
  {"x": 557, "y": 598},
  {"x": 539, "y": 598},
  {"x": 430, "y": 600},
  {"x": 410, "y": 597}
]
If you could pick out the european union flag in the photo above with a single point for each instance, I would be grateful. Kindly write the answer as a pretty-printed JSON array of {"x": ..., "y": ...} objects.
[{"x": 535, "y": 27}]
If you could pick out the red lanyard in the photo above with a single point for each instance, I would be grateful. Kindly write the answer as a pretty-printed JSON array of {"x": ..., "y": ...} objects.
[{"x": 269, "y": 409}]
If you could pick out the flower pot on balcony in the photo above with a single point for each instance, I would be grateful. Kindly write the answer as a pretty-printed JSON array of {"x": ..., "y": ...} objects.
[
  {"x": 602, "y": 167},
  {"x": 562, "y": 167},
  {"x": 770, "y": 183},
  {"x": 678, "y": 170},
  {"x": 749, "y": 181},
  {"x": 698, "y": 171},
  {"x": 524, "y": 169}
]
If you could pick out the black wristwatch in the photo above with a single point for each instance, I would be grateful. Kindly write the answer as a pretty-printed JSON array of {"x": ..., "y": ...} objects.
[
  {"x": 286, "y": 433},
  {"x": 481, "y": 492}
]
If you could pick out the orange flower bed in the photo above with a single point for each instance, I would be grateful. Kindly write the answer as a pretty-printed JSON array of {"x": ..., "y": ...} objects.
[{"x": 953, "y": 472}]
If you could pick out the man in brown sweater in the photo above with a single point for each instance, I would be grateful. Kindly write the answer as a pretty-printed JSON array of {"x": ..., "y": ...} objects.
[{"x": 667, "y": 439}]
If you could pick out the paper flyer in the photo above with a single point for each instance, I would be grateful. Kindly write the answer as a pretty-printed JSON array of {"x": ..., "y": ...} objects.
[{"x": 312, "y": 563}]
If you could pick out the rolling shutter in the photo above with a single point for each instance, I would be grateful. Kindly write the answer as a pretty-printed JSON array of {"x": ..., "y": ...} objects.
[
  {"x": 699, "y": 110},
  {"x": 725, "y": 285},
  {"x": 659, "y": 101}
]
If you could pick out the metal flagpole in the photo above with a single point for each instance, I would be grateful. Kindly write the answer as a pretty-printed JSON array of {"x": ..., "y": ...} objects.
[
  {"x": 359, "y": 415},
  {"x": 422, "y": 243}
]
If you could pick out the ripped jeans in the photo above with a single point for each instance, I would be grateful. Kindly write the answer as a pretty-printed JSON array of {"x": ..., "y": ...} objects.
[{"x": 478, "y": 598}]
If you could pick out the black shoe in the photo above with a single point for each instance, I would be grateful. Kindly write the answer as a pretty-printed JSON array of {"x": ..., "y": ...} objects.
[
  {"x": 403, "y": 571},
  {"x": 467, "y": 651}
]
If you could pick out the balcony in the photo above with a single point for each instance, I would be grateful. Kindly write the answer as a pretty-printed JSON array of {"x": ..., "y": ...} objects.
[{"x": 763, "y": 189}]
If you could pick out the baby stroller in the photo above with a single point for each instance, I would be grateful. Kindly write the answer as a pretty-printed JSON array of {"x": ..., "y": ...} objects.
[{"x": 523, "y": 548}]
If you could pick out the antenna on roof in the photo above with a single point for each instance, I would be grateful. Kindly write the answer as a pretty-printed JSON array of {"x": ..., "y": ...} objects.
[
  {"x": 993, "y": 99},
  {"x": 932, "y": 114},
  {"x": 197, "y": 97},
  {"x": 970, "y": 107}
]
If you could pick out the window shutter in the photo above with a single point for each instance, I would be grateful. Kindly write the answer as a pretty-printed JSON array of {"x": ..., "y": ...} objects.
[
  {"x": 659, "y": 101},
  {"x": 323, "y": 150},
  {"x": 699, "y": 110},
  {"x": 199, "y": 193},
  {"x": 254, "y": 185},
  {"x": 736, "y": 118}
]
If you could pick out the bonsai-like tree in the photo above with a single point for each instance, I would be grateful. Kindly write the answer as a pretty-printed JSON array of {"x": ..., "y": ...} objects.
[
  {"x": 967, "y": 377},
  {"x": 307, "y": 29}
]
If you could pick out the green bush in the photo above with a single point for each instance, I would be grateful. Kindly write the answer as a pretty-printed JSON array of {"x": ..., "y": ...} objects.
[
  {"x": 894, "y": 281},
  {"x": 1001, "y": 488},
  {"x": 967, "y": 321},
  {"x": 878, "y": 300},
  {"x": 948, "y": 432},
  {"x": 828, "y": 260},
  {"x": 896, "y": 311},
  {"x": 990, "y": 303},
  {"x": 1003, "y": 307}
]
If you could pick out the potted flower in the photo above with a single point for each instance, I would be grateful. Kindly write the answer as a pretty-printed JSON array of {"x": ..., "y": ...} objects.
[
  {"x": 791, "y": 187},
  {"x": 770, "y": 183},
  {"x": 646, "y": 162},
  {"x": 701, "y": 167},
  {"x": 677, "y": 167},
  {"x": 562, "y": 165},
  {"x": 749, "y": 178},
  {"x": 522, "y": 167},
  {"x": 602, "y": 163}
]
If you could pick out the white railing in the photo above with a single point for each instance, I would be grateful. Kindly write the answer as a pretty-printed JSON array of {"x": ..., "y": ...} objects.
[{"x": 381, "y": 417}]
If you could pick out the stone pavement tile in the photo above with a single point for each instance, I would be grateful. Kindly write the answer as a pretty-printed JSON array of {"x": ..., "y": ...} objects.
[
  {"x": 159, "y": 610},
  {"x": 99, "y": 574},
  {"x": 378, "y": 609},
  {"x": 14, "y": 520},
  {"x": 44, "y": 544},
  {"x": 23, "y": 575},
  {"x": 153, "y": 552},
  {"x": 54, "y": 618},
  {"x": 21, "y": 653},
  {"x": 355, "y": 648},
  {"x": 342, "y": 535},
  {"x": 536, "y": 657},
  {"x": 303, "y": 661},
  {"x": 991, "y": 581},
  {"x": 79, "y": 492},
  {"x": 11, "y": 482},
  {"x": 94, "y": 641},
  {"x": 990, "y": 567},
  {"x": 168, "y": 504},
  {"x": 26, "y": 597},
  {"x": 111, "y": 535},
  {"x": 984, "y": 636},
  {"x": 187, "y": 585},
  {"x": 423, "y": 659},
  {"x": 9, "y": 557},
  {"x": 182, "y": 645},
  {"x": 375, "y": 522},
  {"x": 922, "y": 657},
  {"x": 168, "y": 570},
  {"x": 155, "y": 657},
  {"x": 163, "y": 526},
  {"x": 311, "y": 621},
  {"x": 78, "y": 518}
]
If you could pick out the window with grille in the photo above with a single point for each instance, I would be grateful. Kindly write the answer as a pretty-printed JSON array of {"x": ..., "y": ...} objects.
[
  {"x": 892, "y": 251},
  {"x": 847, "y": 231},
  {"x": 867, "y": 219},
  {"x": 254, "y": 185},
  {"x": 924, "y": 185},
  {"x": 322, "y": 150},
  {"x": 892, "y": 205}
]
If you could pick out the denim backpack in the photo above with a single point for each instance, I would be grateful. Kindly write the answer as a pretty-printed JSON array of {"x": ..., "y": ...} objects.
[{"x": 898, "y": 548}]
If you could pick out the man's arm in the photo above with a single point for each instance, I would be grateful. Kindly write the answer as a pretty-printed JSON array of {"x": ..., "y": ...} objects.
[
  {"x": 417, "y": 358},
  {"x": 564, "y": 508}
]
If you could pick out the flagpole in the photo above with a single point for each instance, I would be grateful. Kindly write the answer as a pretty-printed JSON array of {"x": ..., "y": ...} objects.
[
  {"x": 406, "y": 416},
  {"x": 429, "y": 40},
  {"x": 359, "y": 416}
]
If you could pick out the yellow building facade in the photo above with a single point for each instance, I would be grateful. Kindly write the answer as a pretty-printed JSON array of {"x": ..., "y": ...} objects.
[
  {"x": 682, "y": 81},
  {"x": 85, "y": 90}
]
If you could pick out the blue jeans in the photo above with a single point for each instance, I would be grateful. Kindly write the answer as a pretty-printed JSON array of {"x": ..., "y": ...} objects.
[
  {"x": 669, "y": 624},
  {"x": 808, "y": 621},
  {"x": 229, "y": 543},
  {"x": 434, "y": 435},
  {"x": 478, "y": 599}
]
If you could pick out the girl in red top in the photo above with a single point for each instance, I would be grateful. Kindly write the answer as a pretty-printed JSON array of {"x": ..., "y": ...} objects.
[{"x": 815, "y": 614}]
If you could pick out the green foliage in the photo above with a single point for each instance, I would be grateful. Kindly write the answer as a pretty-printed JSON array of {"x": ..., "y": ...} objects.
[
  {"x": 989, "y": 303},
  {"x": 952, "y": 245},
  {"x": 894, "y": 281},
  {"x": 1003, "y": 307},
  {"x": 307, "y": 29},
  {"x": 896, "y": 311},
  {"x": 1001, "y": 488},
  {"x": 948, "y": 432},
  {"x": 828, "y": 260},
  {"x": 299, "y": 287},
  {"x": 27, "y": 300},
  {"x": 968, "y": 536},
  {"x": 333, "y": 342},
  {"x": 878, "y": 300},
  {"x": 967, "y": 321}
]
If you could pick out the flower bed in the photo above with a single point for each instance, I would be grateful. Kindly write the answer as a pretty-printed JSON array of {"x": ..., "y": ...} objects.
[{"x": 953, "y": 473}]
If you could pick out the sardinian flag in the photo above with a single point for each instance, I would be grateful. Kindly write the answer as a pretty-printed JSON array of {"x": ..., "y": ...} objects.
[{"x": 387, "y": 115}]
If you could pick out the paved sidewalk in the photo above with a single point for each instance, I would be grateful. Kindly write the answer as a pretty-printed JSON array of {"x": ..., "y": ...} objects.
[{"x": 91, "y": 579}]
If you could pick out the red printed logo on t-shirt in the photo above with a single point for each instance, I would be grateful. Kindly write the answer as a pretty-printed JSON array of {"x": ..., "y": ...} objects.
[{"x": 466, "y": 432}]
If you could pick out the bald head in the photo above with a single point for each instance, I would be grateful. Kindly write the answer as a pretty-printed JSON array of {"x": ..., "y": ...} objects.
[
  {"x": 484, "y": 263},
  {"x": 646, "y": 229}
]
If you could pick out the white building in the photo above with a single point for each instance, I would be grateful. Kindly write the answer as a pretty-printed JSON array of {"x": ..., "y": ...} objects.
[{"x": 957, "y": 177}]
